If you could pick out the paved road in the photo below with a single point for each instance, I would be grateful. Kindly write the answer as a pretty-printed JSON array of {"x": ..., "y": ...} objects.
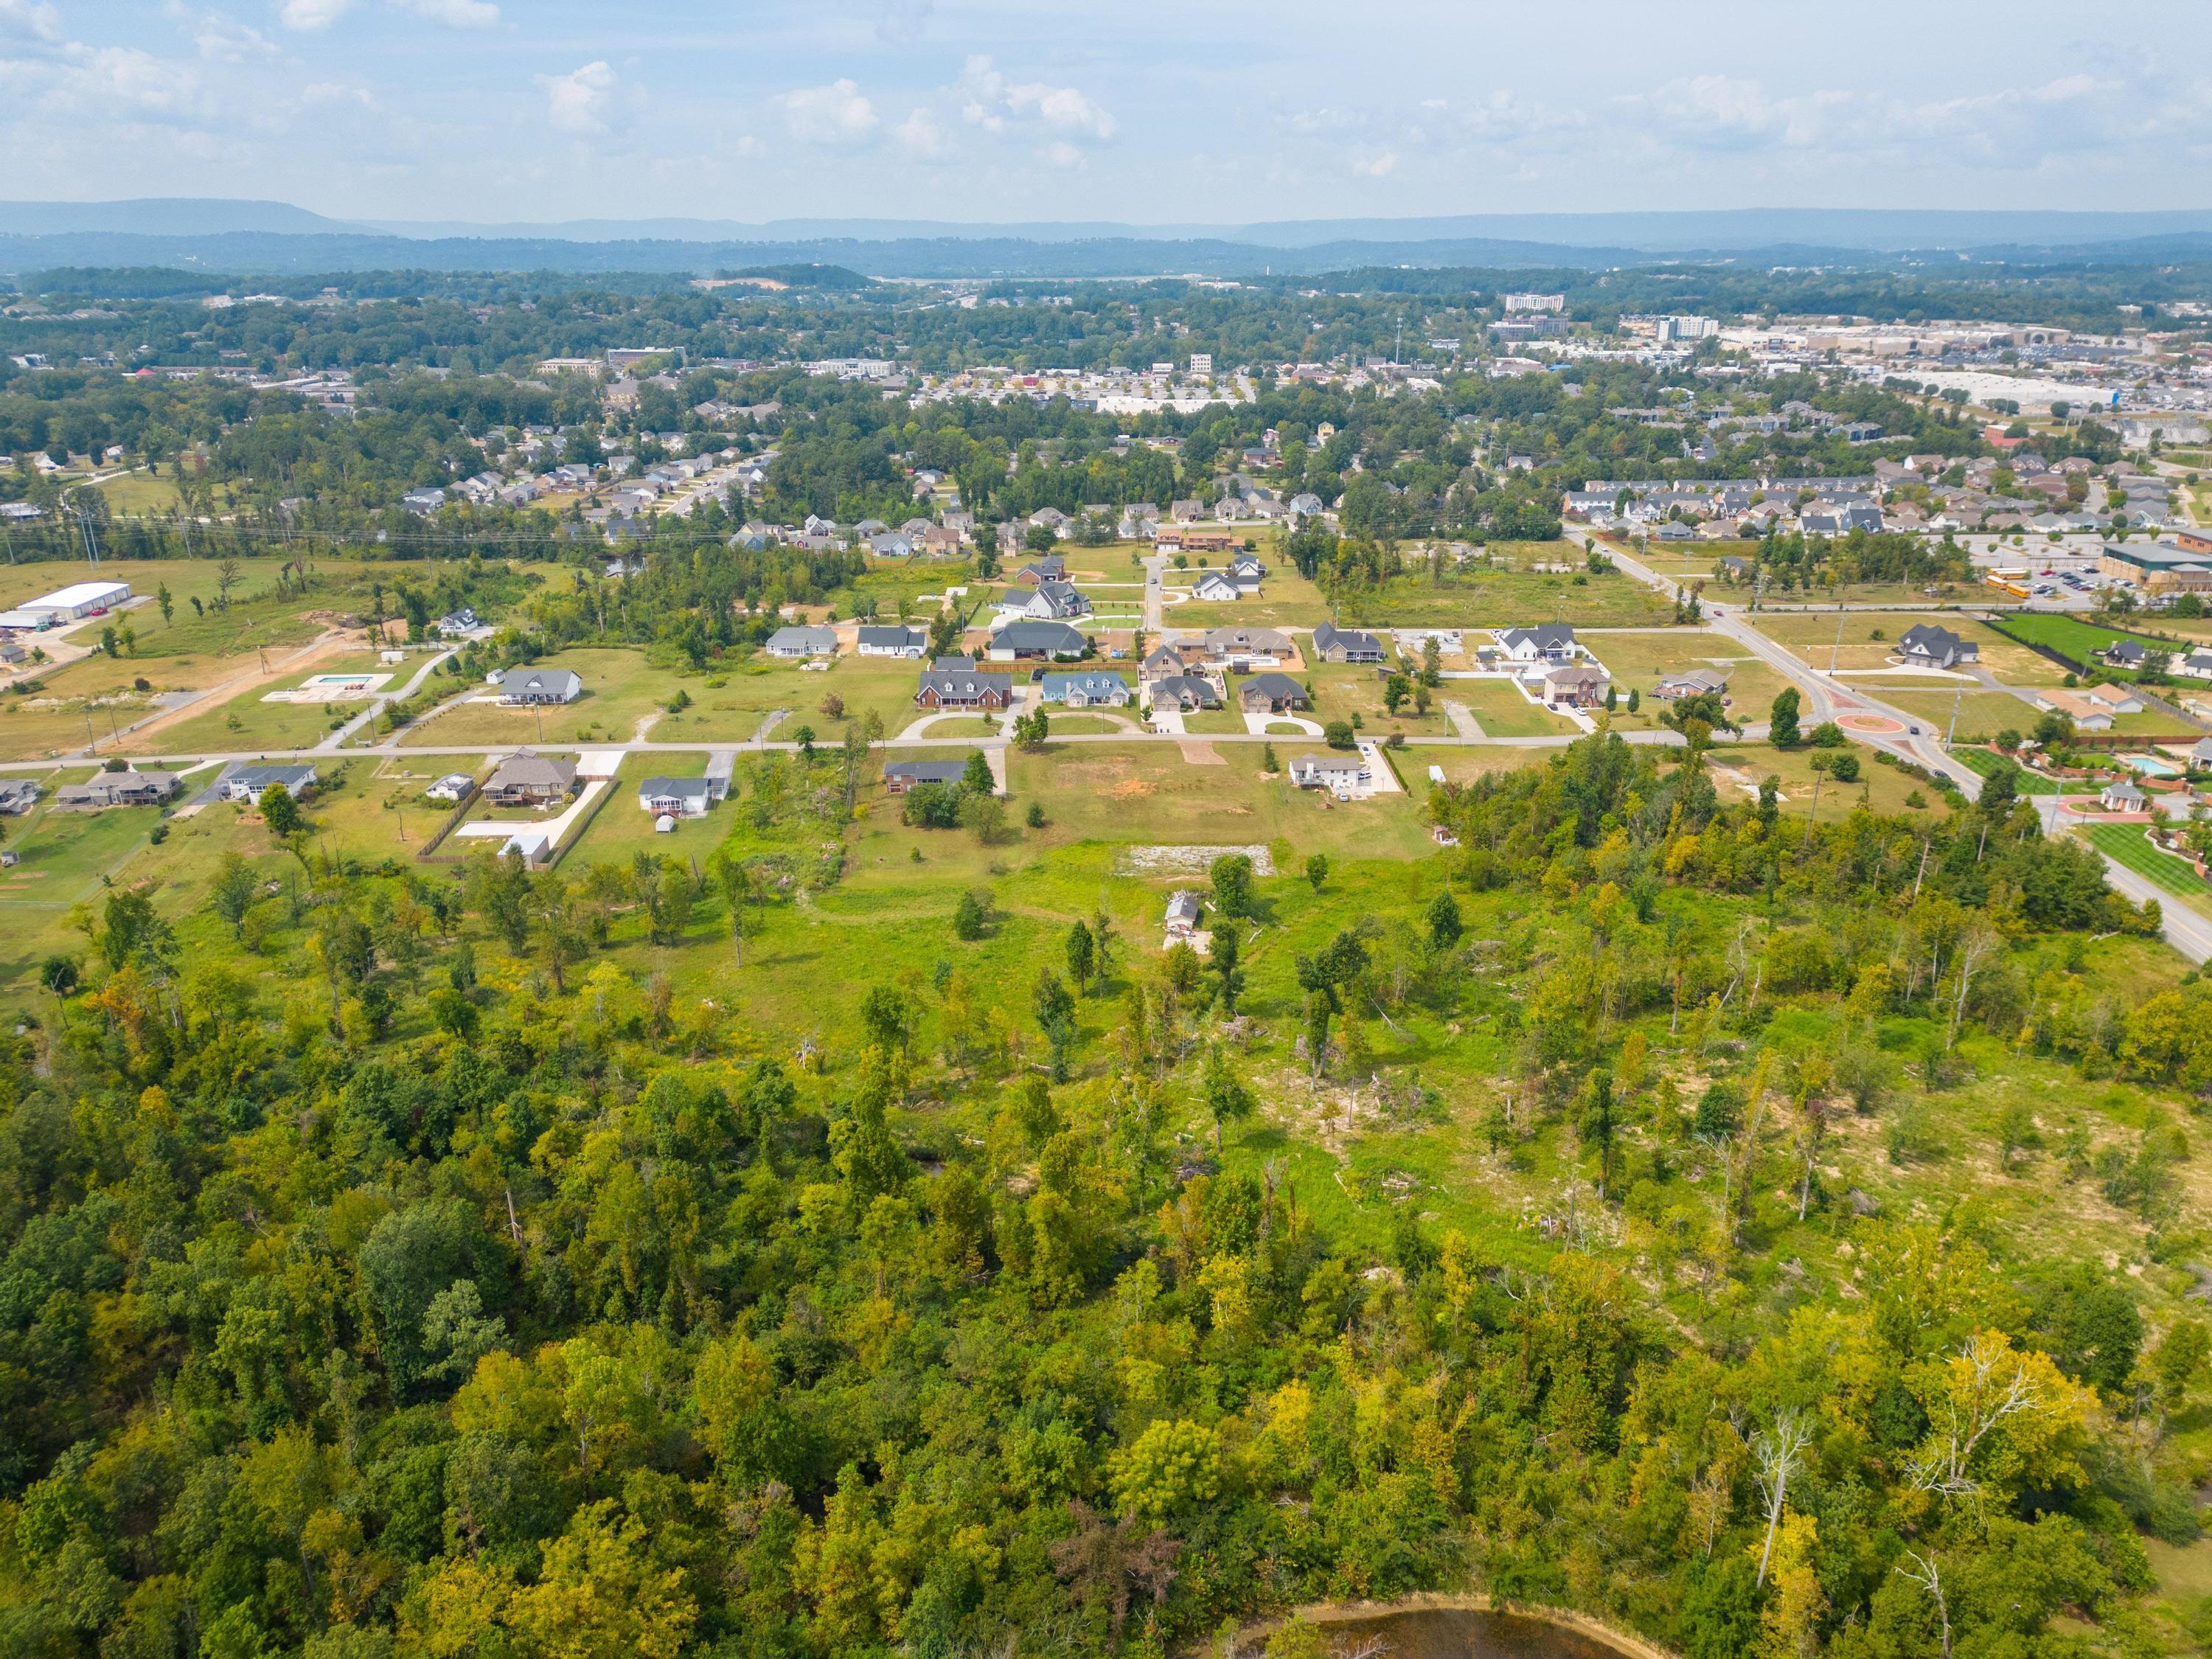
[
  {"x": 382, "y": 701},
  {"x": 2186, "y": 931}
]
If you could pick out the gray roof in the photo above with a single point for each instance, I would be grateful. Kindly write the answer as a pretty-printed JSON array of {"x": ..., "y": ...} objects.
[
  {"x": 1187, "y": 687},
  {"x": 1328, "y": 635},
  {"x": 1277, "y": 688},
  {"x": 681, "y": 788},
  {"x": 1038, "y": 636},
  {"x": 260, "y": 777},
  {"x": 1545, "y": 636},
  {"x": 525, "y": 769},
  {"x": 553, "y": 681},
  {"x": 965, "y": 684},
  {"x": 1091, "y": 682},
  {"x": 818, "y": 641}
]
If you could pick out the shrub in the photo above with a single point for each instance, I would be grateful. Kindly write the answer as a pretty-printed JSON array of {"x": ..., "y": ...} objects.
[{"x": 1337, "y": 734}]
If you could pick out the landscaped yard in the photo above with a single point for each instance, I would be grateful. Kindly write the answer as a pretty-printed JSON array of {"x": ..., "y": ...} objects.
[
  {"x": 623, "y": 829},
  {"x": 2125, "y": 844},
  {"x": 1286, "y": 599},
  {"x": 621, "y": 688},
  {"x": 1503, "y": 711},
  {"x": 1988, "y": 761},
  {"x": 1981, "y": 714},
  {"x": 1642, "y": 657},
  {"x": 2078, "y": 641}
]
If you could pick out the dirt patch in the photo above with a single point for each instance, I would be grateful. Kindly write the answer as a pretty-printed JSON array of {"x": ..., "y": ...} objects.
[
  {"x": 1201, "y": 753},
  {"x": 1131, "y": 789},
  {"x": 1187, "y": 860}
]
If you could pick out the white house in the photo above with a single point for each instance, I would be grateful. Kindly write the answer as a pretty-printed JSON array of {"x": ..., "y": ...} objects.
[
  {"x": 682, "y": 798},
  {"x": 892, "y": 641},
  {"x": 800, "y": 641}
]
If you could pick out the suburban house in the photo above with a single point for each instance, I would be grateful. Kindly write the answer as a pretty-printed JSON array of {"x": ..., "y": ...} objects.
[
  {"x": 1270, "y": 694},
  {"x": 2086, "y": 715},
  {"x": 675, "y": 798},
  {"x": 2123, "y": 654},
  {"x": 1093, "y": 688},
  {"x": 250, "y": 783},
  {"x": 2115, "y": 699},
  {"x": 1344, "y": 773},
  {"x": 1243, "y": 649},
  {"x": 1161, "y": 662},
  {"x": 1055, "y": 601},
  {"x": 525, "y": 779},
  {"x": 1576, "y": 685},
  {"x": 1027, "y": 642},
  {"x": 104, "y": 789},
  {"x": 1546, "y": 642},
  {"x": 801, "y": 640},
  {"x": 890, "y": 641},
  {"x": 1185, "y": 692},
  {"x": 1247, "y": 572},
  {"x": 1050, "y": 568},
  {"x": 457, "y": 625},
  {"x": 1930, "y": 646},
  {"x": 540, "y": 686},
  {"x": 454, "y": 789},
  {"x": 1690, "y": 683},
  {"x": 1215, "y": 588},
  {"x": 1335, "y": 644},
  {"x": 1186, "y": 912},
  {"x": 18, "y": 796},
  {"x": 962, "y": 688},
  {"x": 2121, "y": 796},
  {"x": 899, "y": 776}
]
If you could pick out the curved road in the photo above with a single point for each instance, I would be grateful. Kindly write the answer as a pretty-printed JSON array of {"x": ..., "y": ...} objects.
[{"x": 2186, "y": 931}]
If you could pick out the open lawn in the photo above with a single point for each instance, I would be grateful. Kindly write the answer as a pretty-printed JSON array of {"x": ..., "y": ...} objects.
[
  {"x": 139, "y": 493},
  {"x": 1465, "y": 765},
  {"x": 621, "y": 688},
  {"x": 2126, "y": 844},
  {"x": 1343, "y": 690},
  {"x": 952, "y": 725},
  {"x": 1148, "y": 794},
  {"x": 1981, "y": 715},
  {"x": 1987, "y": 762},
  {"x": 1869, "y": 640},
  {"x": 1641, "y": 658},
  {"x": 64, "y": 857},
  {"x": 856, "y": 687},
  {"x": 1286, "y": 599},
  {"x": 1503, "y": 711},
  {"x": 1504, "y": 599},
  {"x": 623, "y": 829},
  {"x": 2076, "y": 641}
]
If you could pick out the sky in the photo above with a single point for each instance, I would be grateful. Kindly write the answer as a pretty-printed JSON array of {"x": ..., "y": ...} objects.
[{"x": 1149, "y": 112}]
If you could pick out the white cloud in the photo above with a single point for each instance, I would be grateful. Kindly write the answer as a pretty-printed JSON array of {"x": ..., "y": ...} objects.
[
  {"x": 220, "y": 38},
  {"x": 338, "y": 92},
  {"x": 992, "y": 102},
  {"x": 839, "y": 113},
  {"x": 309, "y": 16},
  {"x": 454, "y": 14},
  {"x": 1377, "y": 164},
  {"x": 29, "y": 24},
  {"x": 1061, "y": 154},
  {"x": 922, "y": 135},
  {"x": 577, "y": 101}
]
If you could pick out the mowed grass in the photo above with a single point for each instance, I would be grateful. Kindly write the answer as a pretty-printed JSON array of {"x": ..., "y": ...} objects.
[
  {"x": 2125, "y": 844},
  {"x": 1987, "y": 763},
  {"x": 2076, "y": 641},
  {"x": 1343, "y": 690},
  {"x": 1981, "y": 715},
  {"x": 1869, "y": 640},
  {"x": 1506, "y": 598},
  {"x": 1286, "y": 599},
  {"x": 620, "y": 687},
  {"x": 1503, "y": 711},
  {"x": 623, "y": 829},
  {"x": 64, "y": 857},
  {"x": 1642, "y": 659}
]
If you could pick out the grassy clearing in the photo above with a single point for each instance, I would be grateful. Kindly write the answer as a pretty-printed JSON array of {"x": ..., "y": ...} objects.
[
  {"x": 1981, "y": 715},
  {"x": 1641, "y": 660},
  {"x": 1503, "y": 711},
  {"x": 2076, "y": 641},
  {"x": 140, "y": 494},
  {"x": 1881, "y": 789},
  {"x": 1988, "y": 761},
  {"x": 248, "y": 721},
  {"x": 1869, "y": 640},
  {"x": 623, "y": 829},
  {"x": 1504, "y": 599},
  {"x": 1343, "y": 690},
  {"x": 621, "y": 688},
  {"x": 1286, "y": 599}
]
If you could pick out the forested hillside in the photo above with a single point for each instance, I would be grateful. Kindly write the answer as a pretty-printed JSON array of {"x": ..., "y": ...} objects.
[{"x": 1787, "y": 1252}]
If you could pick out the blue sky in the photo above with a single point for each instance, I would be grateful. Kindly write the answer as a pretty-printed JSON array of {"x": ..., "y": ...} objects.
[{"x": 494, "y": 111}]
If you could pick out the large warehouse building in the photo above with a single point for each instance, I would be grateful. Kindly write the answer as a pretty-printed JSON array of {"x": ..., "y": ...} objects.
[{"x": 72, "y": 603}]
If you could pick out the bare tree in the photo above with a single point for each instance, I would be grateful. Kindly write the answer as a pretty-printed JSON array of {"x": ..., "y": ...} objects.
[
  {"x": 1998, "y": 1387},
  {"x": 1976, "y": 944},
  {"x": 1930, "y": 1577},
  {"x": 1779, "y": 1454}
]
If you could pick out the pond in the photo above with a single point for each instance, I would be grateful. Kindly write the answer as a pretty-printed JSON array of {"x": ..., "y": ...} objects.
[{"x": 1459, "y": 1633}]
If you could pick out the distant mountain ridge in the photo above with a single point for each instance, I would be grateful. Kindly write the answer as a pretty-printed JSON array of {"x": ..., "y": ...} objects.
[{"x": 240, "y": 237}]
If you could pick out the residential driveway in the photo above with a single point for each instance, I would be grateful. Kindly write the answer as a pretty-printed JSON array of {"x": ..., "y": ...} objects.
[
  {"x": 1379, "y": 769},
  {"x": 1257, "y": 725},
  {"x": 1167, "y": 719},
  {"x": 1462, "y": 720}
]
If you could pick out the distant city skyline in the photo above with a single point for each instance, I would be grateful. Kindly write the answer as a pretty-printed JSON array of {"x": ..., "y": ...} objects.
[{"x": 501, "y": 111}]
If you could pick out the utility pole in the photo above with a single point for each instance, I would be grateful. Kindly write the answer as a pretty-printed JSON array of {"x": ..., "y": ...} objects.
[
  {"x": 1836, "y": 649},
  {"x": 1957, "y": 697}
]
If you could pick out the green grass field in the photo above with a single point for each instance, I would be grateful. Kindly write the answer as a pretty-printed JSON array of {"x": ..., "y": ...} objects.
[
  {"x": 1503, "y": 711},
  {"x": 1504, "y": 599},
  {"x": 2076, "y": 641},
  {"x": 1869, "y": 640},
  {"x": 2125, "y": 844},
  {"x": 1988, "y": 761}
]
